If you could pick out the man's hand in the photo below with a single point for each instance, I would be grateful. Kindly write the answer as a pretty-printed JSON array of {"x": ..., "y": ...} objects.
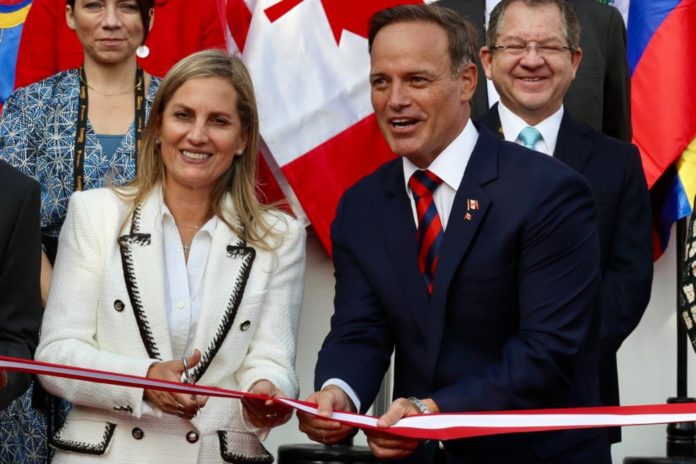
[
  {"x": 266, "y": 413},
  {"x": 322, "y": 429},
  {"x": 387, "y": 446},
  {"x": 3, "y": 378}
]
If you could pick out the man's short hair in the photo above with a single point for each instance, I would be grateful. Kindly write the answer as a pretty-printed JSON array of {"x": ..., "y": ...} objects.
[
  {"x": 569, "y": 21},
  {"x": 461, "y": 34}
]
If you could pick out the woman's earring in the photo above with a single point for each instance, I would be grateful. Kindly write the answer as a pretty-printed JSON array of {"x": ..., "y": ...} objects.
[
  {"x": 239, "y": 152},
  {"x": 142, "y": 51}
]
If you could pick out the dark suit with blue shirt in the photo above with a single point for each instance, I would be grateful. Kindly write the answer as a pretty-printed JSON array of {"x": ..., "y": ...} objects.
[{"x": 513, "y": 320}]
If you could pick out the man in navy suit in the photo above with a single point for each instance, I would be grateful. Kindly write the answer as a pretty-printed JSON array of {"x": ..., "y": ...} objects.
[
  {"x": 20, "y": 297},
  {"x": 505, "y": 316},
  {"x": 600, "y": 95},
  {"x": 532, "y": 82}
]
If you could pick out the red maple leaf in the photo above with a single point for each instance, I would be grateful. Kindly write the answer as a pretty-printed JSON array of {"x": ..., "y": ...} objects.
[{"x": 348, "y": 15}]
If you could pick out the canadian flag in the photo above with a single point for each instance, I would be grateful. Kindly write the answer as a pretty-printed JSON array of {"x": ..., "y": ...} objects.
[{"x": 310, "y": 66}]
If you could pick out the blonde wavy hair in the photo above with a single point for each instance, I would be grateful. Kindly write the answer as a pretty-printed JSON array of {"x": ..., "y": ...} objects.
[{"x": 239, "y": 181}]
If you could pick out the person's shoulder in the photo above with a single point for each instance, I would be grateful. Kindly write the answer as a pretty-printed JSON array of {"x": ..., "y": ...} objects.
[
  {"x": 283, "y": 223},
  {"x": 381, "y": 178},
  {"x": 12, "y": 179},
  {"x": 101, "y": 199},
  {"x": 45, "y": 88},
  {"x": 154, "y": 85}
]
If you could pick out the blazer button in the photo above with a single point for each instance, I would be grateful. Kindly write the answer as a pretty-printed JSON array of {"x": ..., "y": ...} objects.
[
  {"x": 137, "y": 433},
  {"x": 119, "y": 306},
  {"x": 192, "y": 437},
  {"x": 244, "y": 326}
]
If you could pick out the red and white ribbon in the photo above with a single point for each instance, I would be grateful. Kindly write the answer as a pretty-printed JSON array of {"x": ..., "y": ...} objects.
[{"x": 446, "y": 426}]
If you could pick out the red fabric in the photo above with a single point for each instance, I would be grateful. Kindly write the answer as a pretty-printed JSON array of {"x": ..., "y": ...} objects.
[
  {"x": 323, "y": 174},
  {"x": 180, "y": 28},
  {"x": 660, "y": 105}
]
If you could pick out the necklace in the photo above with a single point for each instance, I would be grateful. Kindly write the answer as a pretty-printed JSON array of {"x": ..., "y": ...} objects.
[
  {"x": 125, "y": 92},
  {"x": 186, "y": 247},
  {"x": 188, "y": 226}
]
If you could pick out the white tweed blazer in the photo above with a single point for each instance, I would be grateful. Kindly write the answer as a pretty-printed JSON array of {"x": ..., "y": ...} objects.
[{"x": 106, "y": 311}]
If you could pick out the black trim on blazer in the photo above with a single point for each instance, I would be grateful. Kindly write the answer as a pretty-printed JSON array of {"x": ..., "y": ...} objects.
[
  {"x": 248, "y": 255},
  {"x": 234, "y": 458},
  {"x": 82, "y": 447},
  {"x": 123, "y": 409},
  {"x": 125, "y": 242}
]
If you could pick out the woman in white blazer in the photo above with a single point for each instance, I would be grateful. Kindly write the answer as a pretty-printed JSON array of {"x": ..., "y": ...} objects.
[{"x": 182, "y": 273}]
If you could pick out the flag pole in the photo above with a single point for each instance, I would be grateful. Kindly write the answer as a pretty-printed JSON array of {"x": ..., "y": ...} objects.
[{"x": 681, "y": 437}]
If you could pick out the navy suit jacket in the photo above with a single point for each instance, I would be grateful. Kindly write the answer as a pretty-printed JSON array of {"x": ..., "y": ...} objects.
[
  {"x": 513, "y": 319},
  {"x": 20, "y": 257},
  {"x": 615, "y": 174},
  {"x": 600, "y": 94}
]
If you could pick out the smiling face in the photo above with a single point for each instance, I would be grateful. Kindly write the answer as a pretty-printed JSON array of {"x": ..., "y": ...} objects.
[
  {"x": 109, "y": 30},
  {"x": 200, "y": 134},
  {"x": 531, "y": 85},
  {"x": 421, "y": 107}
]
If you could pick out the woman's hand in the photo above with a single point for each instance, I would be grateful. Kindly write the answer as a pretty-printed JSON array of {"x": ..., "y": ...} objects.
[
  {"x": 266, "y": 413},
  {"x": 177, "y": 404}
]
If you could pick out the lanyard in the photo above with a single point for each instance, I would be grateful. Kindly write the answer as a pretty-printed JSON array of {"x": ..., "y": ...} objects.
[{"x": 81, "y": 132}]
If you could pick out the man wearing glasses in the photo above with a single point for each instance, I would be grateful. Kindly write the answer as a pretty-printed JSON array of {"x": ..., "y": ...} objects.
[
  {"x": 532, "y": 55},
  {"x": 599, "y": 96}
]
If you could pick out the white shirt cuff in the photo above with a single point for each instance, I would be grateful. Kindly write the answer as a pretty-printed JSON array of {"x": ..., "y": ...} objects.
[{"x": 346, "y": 389}]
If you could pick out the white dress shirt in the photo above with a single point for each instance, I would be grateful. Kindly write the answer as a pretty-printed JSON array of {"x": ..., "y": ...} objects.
[
  {"x": 512, "y": 125},
  {"x": 449, "y": 166},
  {"x": 184, "y": 281}
]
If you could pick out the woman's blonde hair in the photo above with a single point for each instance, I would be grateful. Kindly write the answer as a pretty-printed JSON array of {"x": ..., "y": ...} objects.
[{"x": 240, "y": 180}]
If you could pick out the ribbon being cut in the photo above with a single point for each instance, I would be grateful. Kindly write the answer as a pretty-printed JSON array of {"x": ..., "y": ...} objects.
[{"x": 446, "y": 426}]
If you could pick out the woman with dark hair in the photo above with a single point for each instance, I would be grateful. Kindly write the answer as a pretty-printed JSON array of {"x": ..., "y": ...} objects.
[
  {"x": 184, "y": 276},
  {"x": 76, "y": 130}
]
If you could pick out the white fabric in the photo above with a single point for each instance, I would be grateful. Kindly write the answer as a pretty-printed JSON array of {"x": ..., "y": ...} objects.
[
  {"x": 183, "y": 281},
  {"x": 82, "y": 326},
  {"x": 448, "y": 166},
  {"x": 512, "y": 125}
]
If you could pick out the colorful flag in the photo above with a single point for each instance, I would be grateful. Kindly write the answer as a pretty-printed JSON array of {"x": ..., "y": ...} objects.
[
  {"x": 310, "y": 66},
  {"x": 661, "y": 56},
  {"x": 12, "y": 16}
]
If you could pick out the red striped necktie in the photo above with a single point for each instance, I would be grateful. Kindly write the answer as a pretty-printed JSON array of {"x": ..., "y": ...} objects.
[{"x": 430, "y": 233}]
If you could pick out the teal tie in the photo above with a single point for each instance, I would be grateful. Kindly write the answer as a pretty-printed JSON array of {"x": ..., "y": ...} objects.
[{"x": 529, "y": 137}]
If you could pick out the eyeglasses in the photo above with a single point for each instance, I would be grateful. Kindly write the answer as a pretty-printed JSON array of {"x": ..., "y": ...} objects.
[{"x": 543, "y": 50}]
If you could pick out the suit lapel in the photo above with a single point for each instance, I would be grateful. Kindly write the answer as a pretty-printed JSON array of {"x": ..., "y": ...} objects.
[
  {"x": 468, "y": 212},
  {"x": 572, "y": 146},
  {"x": 400, "y": 233},
  {"x": 142, "y": 260},
  {"x": 227, "y": 271}
]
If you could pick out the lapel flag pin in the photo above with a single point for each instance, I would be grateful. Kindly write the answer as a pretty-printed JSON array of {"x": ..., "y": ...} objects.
[
  {"x": 467, "y": 216},
  {"x": 471, "y": 205}
]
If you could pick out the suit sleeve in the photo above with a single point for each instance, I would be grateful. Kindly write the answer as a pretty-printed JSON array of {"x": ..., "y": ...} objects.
[
  {"x": 20, "y": 305},
  {"x": 359, "y": 327},
  {"x": 68, "y": 332},
  {"x": 628, "y": 274},
  {"x": 616, "y": 118},
  {"x": 558, "y": 290},
  {"x": 271, "y": 353}
]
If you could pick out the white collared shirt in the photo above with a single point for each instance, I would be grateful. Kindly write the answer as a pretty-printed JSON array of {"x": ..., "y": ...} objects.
[
  {"x": 183, "y": 281},
  {"x": 449, "y": 166},
  {"x": 512, "y": 125}
]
